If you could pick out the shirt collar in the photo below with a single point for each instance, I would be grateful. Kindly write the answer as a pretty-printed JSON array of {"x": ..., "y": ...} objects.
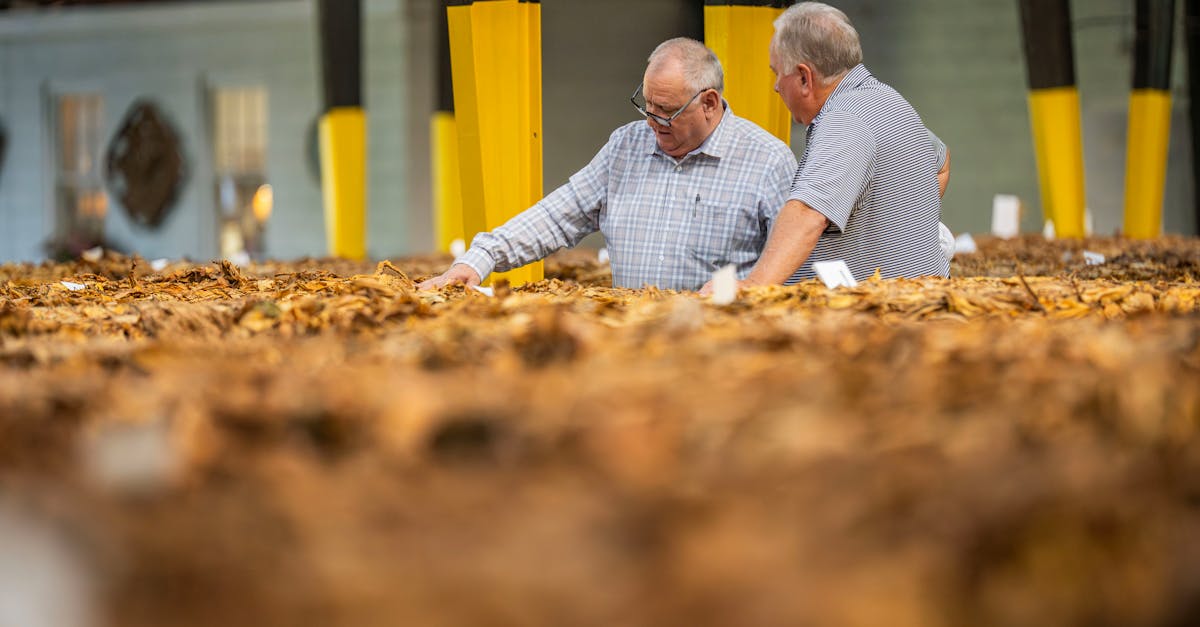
[
  {"x": 715, "y": 145},
  {"x": 851, "y": 81}
]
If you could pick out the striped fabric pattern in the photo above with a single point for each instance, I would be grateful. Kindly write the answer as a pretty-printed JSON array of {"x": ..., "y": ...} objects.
[
  {"x": 667, "y": 224},
  {"x": 870, "y": 167}
]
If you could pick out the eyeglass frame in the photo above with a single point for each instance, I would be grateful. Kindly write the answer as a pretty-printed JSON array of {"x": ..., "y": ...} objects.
[{"x": 658, "y": 118}]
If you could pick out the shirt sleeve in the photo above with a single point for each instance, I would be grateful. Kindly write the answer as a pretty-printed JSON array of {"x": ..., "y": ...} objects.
[
  {"x": 561, "y": 219},
  {"x": 837, "y": 170},
  {"x": 940, "y": 147}
]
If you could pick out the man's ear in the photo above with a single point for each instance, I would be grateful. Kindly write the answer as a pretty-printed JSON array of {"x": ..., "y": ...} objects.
[{"x": 711, "y": 99}]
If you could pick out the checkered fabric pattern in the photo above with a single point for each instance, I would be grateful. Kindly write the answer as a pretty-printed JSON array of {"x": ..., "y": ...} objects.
[{"x": 666, "y": 223}]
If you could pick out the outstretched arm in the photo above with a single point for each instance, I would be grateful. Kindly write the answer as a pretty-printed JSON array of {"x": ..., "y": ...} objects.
[
  {"x": 791, "y": 242},
  {"x": 557, "y": 221}
]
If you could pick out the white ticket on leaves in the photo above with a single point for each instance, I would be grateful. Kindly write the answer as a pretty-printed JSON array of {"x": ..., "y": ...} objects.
[
  {"x": 834, "y": 274},
  {"x": 724, "y": 285},
  {"x": 486, "y": 291}
]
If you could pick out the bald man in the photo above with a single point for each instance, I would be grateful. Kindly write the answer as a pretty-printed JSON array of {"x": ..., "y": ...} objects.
[{"x": 689, "y": 190}]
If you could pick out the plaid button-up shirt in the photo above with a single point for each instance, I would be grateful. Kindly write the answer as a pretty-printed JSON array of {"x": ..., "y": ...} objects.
[{"x": 667, "y": 223}]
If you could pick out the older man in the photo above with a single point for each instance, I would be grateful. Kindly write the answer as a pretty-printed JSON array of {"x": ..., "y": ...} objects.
[
  {"x": 867, "y": 190},
  {"x": 692, "y": 189}
]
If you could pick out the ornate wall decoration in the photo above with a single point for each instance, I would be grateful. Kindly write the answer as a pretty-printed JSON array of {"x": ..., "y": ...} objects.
[{"x": 146, "y": 167}]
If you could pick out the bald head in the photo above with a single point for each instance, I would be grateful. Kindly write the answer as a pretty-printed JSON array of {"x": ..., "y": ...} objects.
[{"x": 697, "y": 65}]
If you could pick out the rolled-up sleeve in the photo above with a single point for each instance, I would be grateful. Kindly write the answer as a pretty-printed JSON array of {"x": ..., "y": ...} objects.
[
  {"x": 837, "y": 169},
  {"x": 940, "y": 148}
]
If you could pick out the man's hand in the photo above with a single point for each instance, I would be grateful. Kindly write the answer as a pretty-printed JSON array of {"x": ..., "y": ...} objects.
[
  {"x": 459, "y": 273},
  {"x": 741, "y": 285}
]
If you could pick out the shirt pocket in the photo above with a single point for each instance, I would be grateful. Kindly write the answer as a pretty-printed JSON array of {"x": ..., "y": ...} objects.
[{"x": 720, "y": 234}]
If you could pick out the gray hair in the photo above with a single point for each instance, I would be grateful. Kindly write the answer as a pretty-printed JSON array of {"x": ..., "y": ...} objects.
[
  {"x": 818, "y": 35},
  {"x": 701, "y": 68}
]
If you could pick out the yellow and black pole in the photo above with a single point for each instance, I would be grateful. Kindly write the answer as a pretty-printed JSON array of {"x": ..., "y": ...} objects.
[
  {"x": 1192, "y": 30},
  {"x": 1054, "y": 112},
  {"x": 496, "y": 58},
  {"x": 443, "y": 141},
  {"x": 343, "y": 129},
  {"x": 739, "y": 31},
  {"x": 1149, "y": 118}
]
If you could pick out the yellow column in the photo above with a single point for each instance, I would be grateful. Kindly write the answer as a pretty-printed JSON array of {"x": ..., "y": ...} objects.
[
  {"x": 1146, "y": 161},
  {"x": 495, "y": 53},
  {"x": 741, "y": 37},
  {"x": 447, "y": 188},
  {"x": 1058, "y": 142},
  {"x": 343, "y": 138}
]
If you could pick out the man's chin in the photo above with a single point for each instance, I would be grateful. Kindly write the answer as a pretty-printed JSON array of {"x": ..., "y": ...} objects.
[{"x": 667, "y": 147}]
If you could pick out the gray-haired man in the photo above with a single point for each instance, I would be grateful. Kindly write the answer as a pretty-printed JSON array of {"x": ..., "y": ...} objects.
[{"x": 868, "y": 187}]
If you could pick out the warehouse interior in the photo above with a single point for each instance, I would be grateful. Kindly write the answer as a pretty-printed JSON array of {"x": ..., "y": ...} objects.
[
  {"x": 237, "y": 386},
  {"x": 240, "y": 84}
]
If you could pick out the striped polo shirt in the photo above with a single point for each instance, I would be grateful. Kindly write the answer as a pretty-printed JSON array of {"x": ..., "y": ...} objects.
[{"x": 870, "y": 167}]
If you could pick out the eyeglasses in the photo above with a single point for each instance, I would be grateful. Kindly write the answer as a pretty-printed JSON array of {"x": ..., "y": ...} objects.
[{"x": 639, "y": 103}]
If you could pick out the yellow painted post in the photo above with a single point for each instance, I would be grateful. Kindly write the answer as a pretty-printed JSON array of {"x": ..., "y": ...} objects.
[
  {"x": 343, "y": 138},
  {"x": 1054, "y": 112},
  {"x": 1058, "y": 142},
  {"x": 1146, "y": 162},
  {"x": 1149, "y": 119},
  {"x": 447, "y": 186},
  {"x": 443, "y": 147},
  {"x": 495, "y": 52},
  {"x": 740, "y": 33},
  {"x": 343, "y": 129}
]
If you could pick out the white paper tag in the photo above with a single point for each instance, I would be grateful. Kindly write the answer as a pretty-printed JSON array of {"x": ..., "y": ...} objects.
[
  {"x": 1048, "y": 230},
  {"x": 602, "y": 255},
  {"x": 158, "y": 264},
  {"x": 486, "y": 291},
  {"x": 93, "y": 254},
  {"x": 1092, "y": 259},
  {"x": 74, "y": 287},
  {"x": 724, "y": 285},
  {"x": 834, "y": 274},
  {"x": 457, "y": 248},
  {"x": 241, "y": 258},
  {"x": 965, "y": 245},
  {"x": 1006, "y": 216}
]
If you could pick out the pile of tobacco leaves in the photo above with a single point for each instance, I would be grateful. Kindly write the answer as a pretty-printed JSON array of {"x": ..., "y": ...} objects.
[{"x": 321, "y": 443}]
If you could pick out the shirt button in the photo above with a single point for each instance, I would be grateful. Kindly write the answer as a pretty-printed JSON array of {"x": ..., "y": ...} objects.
[{"x": 662, "y": 258}]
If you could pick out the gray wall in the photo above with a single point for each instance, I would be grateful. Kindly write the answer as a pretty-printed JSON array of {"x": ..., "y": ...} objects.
[{"x": 171, "y": 54}]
